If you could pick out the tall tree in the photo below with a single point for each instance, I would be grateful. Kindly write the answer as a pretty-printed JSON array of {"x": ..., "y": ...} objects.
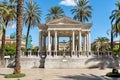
[
  {"x": 82, "y": 11},
  {"x": 32, "y": 15},
  {"x": 20, "y": 9},
  {"x": 115, "y": 14},
  {"x": 7, "y": 17},
  {"x": 54, "y": 13},
  {"x": 2, "y": 10},
  {"x": 103, "y": 41},
  {"x": 115, "y": 21}
]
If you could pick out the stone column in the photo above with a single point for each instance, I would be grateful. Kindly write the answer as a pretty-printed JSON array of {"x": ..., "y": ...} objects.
[
  {"x": 44, "y": 43},
  {"x": 40, "y": 40},
  {"x": 76, "y": 44},
  {"x": 85, "y": 42},
  {"x": 73, "y": 41},
  {"x": 79, "y": 41},
  {"x": 70, "y": 43},
  {"x": 58, "y": 43},
  {"x": 55, "y": 43},
  {"x": 89, "y": 41},
  {"x": 49, "y": 45}
]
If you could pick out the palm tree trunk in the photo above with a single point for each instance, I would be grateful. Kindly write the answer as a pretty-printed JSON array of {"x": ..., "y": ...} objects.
[
  {"x": 119, "y": 46},
  {"x": 20, "y": 9},
  {"x": 111, "y": 41},
  {"x": 81, "y": 19},
  {"x": 3, "y": 43},
  {"x": 27, "y": 35}
]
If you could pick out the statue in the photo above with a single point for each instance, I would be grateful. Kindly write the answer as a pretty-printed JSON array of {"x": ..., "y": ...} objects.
[
  {"x": 13, "y": 35},
  {"x": 29, "y": 46},
  {"x": 23, "y": 37}
]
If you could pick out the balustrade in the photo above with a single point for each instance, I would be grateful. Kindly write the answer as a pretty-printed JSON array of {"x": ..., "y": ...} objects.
[{"x": 67, "y": 53}]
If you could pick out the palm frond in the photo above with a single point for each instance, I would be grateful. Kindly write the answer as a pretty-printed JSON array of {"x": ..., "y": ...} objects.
[
  {"x": 54, "y": 13},
  {"x": 82, "y": 11}
]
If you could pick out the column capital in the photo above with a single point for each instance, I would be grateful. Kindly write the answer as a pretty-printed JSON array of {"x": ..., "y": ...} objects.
[
  {"x": 73, "y": 30},
  {"x": 48, "y": 30},
  {"x": 40, "y": 30},
  {"x": 79, "y": 30},
  {"x": 88, "y": 31},
  {"x": 55, "y": 30}
]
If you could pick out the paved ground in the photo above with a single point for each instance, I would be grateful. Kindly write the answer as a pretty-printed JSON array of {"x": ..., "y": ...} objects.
[{"x": 60, "y": 74}]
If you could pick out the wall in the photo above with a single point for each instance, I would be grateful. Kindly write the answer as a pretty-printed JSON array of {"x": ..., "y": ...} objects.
[
  {"x": 81, "y": 62},
  {"x": 68, "y": 62}
]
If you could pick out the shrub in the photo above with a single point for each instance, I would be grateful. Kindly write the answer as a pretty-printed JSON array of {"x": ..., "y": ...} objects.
[
  {"x": 23, "y": 49},
  {"x": 10, "y": 49},
  {"x": 14, "y": 75},
  {"x": 35, "y": 48},
  {"x": 110, "y": 74}
]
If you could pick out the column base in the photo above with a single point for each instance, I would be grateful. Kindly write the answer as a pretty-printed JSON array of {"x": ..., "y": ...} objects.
[
  {"x": 48, "y": 53},
  {"x": 79, "y": 53},
  {"x": 55, "y": 53},
  {"x": 73, "y": 53},
  {"x": 43, "y": 55}
]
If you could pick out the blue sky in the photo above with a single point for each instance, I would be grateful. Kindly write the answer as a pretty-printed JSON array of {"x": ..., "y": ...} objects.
[{"x": 100, "y": 16}]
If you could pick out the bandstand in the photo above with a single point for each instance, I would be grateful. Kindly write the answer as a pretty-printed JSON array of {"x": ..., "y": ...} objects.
[
  {"x": 80, "y": 54},
  {"x": 50, "y": 32}
]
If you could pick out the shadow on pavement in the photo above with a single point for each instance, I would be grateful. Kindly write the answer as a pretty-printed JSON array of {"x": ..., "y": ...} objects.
[
  {"x": 87, "y": 77},
  {"x": 2, "y": 74}
]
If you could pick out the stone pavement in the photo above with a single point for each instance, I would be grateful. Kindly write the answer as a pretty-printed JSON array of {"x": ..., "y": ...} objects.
[{"x": 59, "y": 74}]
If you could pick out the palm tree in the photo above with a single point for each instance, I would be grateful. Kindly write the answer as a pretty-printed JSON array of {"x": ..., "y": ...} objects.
[
  {"x": 20, "y": 10},
  {"x": 2, "y": 10},
  {"x": 112, "y": 33},
  {"x": 115, "y": 21},
  {"x": 54, "y": 13},
  {"x": 31, "y": 16},
  {"x": 7, "y": 17},
  {"x": 82, "y": 11},
  {"x": 115, "y": 16},
  {"x": 103, "y": 41}
]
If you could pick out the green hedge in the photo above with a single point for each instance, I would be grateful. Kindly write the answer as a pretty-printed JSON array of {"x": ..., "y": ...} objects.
[
  {"x": 110, "y": 74},
  {"x": 14, "y": 75}
]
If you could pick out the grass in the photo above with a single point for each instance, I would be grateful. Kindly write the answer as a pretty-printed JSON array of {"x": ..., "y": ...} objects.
[
  {"x": 110, "y": 74},
  {"x": 14, "y": 75}
]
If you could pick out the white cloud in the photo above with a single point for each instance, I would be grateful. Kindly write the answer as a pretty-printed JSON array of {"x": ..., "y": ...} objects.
[
  {"x": 11, "y": 24},
  {"x": 68, "y": 2}
]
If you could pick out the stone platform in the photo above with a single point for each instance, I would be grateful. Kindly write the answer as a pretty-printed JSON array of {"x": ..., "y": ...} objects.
[
  {"x": 60, "y": 62},
  {"x": 78, "y": 62}
]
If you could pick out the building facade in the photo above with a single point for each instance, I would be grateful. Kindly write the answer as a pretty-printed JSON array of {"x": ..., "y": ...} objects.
[{"x": 9, "y": 40}]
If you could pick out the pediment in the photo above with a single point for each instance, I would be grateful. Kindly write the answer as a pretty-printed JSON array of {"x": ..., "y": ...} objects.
[{"x": 63, "y": 21}]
